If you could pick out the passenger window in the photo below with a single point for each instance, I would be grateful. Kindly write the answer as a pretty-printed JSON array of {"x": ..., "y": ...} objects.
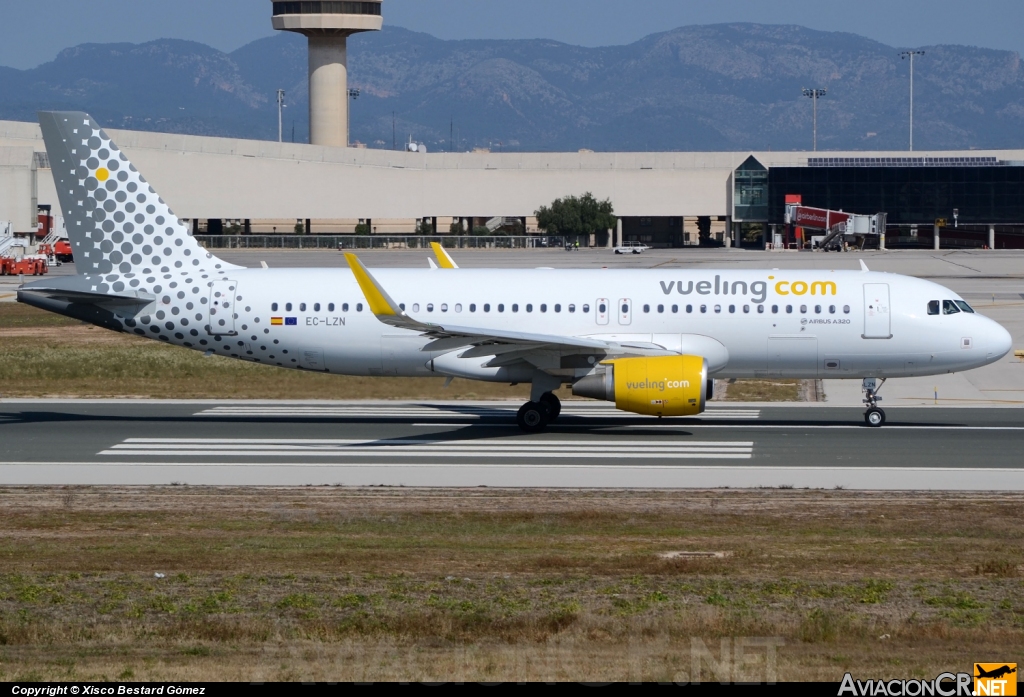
[
  {"x": 585, "y": 309},
  {"x": 602, "y": 308},
  {"x": 846, "y": 309},
  {"x": 529, "y": 307},
  {"x": 472, "y": 307},
  {"x": 732, "y": 309},
  {"x": 675, "y": 309},
  {"x": 817, "y": 309},
  {"x": 501, "y": 307},
  {"x": 487, "y": 307},
  {"x": 316, "y": 307},
  {"x": 949, "y": 307},
  {"x": 458, "y": 307},
  {"x": 330, "y": 307},
  {"x": 359, "y": 307},
  {"x": 803, "y": 309},
  {"x": 625, "y": 309},
  {"x": 515, "y": 307},
  {"x": 964, "y": 306},
  {"x": 933, "y": 307},
  {"x": 775, "y": 309},
  {"x": 647, "y": 308},
  {"x": 444, "y": 307},
  {"x": 401, "y": 306},
  {"x": 831, "y": 309},
  {"x": 746, "y": 309},
  {"x": 718, "y": 309},
  {"x": 430, "y": 307},
  {"x": 789, "y": 309},
  {"x": 689, "y": 309},
  {"x": 661, "y": 308},
  {"x": 543, "y": 308},
  {"x": 760, "y": 309},
  {"x": 288, "y": 307},
  {"x": 415, "y": 307},
  {"x": 572, "y": 308},
  {"x": 703, "y": 308},
  {"x": 273, "y": 307},
  {"x": 344, "y": 307},
  {"x": 558, "y": 308},
  {"x": 302, "y": 307}
]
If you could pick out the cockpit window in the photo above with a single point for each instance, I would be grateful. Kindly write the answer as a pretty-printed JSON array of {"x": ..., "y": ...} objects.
[
  {"x": 949, "y": 307},
  {"x": 934, "y": 306},
  {"x": 964, "y": 306}
]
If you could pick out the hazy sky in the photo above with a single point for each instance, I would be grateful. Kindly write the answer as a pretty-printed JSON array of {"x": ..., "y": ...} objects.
[{"x": 34, "y": 31}]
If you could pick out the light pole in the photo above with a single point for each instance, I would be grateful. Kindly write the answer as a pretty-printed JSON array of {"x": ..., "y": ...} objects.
[
  {"x": 904, "y": 55},
  {"x": 280, "y": 107},
  {"x": 354, "y": 94},
  {"x": 814, "y": 94}
]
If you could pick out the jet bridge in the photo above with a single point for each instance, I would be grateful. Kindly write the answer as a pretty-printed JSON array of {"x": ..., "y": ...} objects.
[{"x": 837, "y": 225}]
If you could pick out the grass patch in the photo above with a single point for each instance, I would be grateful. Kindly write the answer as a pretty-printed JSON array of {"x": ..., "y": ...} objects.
[
  {"x": 477, "y": 584},
  {"x": 773, "y": 390}
]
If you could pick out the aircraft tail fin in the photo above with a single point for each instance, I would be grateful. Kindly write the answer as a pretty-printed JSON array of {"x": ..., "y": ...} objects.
[{"x": 122, "y": 233}]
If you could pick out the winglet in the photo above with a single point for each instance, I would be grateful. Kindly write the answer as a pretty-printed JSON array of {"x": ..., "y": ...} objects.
[
  {"x": 863, "y": 266},
  {"x": 378, "y": 299},
  {"x": 444, "y": 260}
]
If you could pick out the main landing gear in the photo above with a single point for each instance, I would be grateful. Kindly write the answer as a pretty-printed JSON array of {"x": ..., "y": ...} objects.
[
  {"x": 535, "y": 416},
  {"x": 874, "y": 416}
]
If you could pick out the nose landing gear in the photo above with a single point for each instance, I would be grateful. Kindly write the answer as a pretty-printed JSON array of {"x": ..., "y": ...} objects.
[
  {"x": 874, "y": 416},
  {"x": 535, "y": 416}
]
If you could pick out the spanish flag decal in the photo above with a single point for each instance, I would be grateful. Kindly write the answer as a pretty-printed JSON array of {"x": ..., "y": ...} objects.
[{"x": 276, "y": 321}]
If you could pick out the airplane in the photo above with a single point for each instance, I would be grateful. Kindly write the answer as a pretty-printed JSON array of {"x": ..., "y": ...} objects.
[
  {"x": 994, "y": 673},
  {"x": 651, "y": 341}
]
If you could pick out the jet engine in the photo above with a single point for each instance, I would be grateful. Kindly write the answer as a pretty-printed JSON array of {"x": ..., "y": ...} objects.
[{"x": 655, "y": 386}]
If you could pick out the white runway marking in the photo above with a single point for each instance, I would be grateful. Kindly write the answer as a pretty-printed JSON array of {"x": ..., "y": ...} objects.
[
  {"x": 447, "y": 412},
  {"x": 420, "y": 448}
]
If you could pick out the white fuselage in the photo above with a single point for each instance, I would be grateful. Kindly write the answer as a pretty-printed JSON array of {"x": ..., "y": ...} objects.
[{"x": 804, "y": 324}]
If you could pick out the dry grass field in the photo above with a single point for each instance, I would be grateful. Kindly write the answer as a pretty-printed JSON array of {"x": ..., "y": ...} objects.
[{"x": 349, "y": 584}]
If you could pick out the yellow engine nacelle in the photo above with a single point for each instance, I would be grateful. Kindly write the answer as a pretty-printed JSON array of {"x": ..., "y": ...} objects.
[{"x": 656, "y": 386}]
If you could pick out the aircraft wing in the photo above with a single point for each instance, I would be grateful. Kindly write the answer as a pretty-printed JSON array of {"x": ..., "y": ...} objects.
[{"x": 449, "y": 336}]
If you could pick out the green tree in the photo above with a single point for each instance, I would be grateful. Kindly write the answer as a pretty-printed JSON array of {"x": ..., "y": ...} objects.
[
  {"x": 481, "y": 231},
  {"x": 456, "y": 228},
  {"x": 424, "y": 227},
  {"x": 576, "y": 215},
  {"x": 363, "y": 229}
]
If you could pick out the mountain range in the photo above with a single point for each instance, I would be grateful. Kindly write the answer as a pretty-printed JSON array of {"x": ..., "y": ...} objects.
[{"x": 717, "y": 87}]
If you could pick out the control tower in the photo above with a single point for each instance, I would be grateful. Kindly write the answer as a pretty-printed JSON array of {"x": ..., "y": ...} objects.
[{"x": 328, "y": 25}]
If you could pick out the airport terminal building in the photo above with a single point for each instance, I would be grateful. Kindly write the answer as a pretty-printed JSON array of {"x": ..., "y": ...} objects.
[
  {"x": 663, "y": 199},
  {"x": 666, "y": 199}
]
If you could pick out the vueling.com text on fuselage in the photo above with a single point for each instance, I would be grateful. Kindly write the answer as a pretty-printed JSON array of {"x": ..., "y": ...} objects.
[{"x": 757, "y": 290}]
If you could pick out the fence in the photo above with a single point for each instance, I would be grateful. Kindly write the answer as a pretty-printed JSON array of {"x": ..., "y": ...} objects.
[{"x": 380, "y": 241}]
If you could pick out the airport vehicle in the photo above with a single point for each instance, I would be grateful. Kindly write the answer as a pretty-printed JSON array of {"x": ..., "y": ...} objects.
[
  {"x": 631, "y": 248},
  {"x": 648, "y": 340}
]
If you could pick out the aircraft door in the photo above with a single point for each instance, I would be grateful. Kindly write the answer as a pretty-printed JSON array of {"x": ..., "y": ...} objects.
[
  {"x": 877, "y": 319},
  {"x": 601, "y": 310},
  {"x": 221, "y": 315},
  {"x": 625, "y": 311}
]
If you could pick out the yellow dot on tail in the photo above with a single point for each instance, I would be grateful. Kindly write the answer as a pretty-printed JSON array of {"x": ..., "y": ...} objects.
[{"x": 102, "y": 174}]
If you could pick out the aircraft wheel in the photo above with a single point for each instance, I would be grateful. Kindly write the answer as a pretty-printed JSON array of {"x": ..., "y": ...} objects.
[
  {"x": 874, "y": 417},
  {"x": 553, "y": 404},
  {"x": 532, "y": 417}
]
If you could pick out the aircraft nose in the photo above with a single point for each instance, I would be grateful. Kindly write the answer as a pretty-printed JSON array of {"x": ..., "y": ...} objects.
[{"x": 999, "y": 342}]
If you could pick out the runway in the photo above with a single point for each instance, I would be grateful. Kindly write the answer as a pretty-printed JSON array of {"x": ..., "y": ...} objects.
[{"x": 469, "y": 444}]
